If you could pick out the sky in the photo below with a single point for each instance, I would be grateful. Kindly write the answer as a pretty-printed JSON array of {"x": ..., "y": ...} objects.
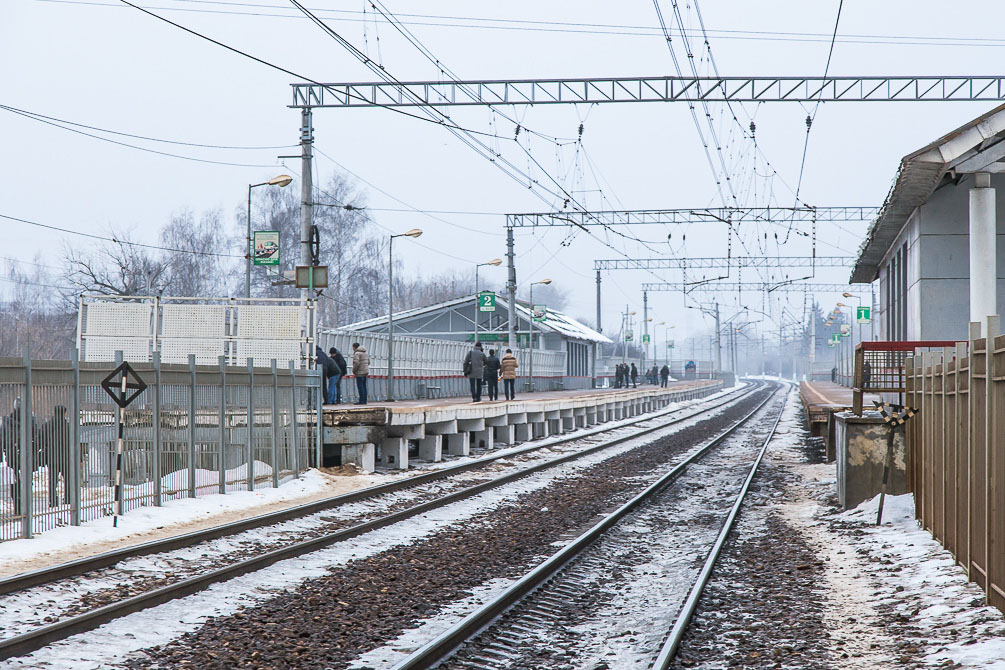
[{"x": 102, "y": 63}]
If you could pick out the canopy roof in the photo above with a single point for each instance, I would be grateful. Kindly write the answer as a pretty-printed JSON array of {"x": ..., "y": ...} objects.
[{"x": 978, "y": 146}]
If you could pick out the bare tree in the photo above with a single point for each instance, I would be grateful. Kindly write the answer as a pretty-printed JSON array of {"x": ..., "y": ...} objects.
[
  {"x": 32, "y": 315},
  {"x": 194, "y": 261},
  {"x": 115, "y": 268}
]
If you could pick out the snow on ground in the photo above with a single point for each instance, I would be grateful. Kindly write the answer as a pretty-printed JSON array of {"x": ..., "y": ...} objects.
[{"x": 109, "y": 644}]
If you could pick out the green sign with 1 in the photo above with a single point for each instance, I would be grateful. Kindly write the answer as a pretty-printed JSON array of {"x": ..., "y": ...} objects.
[{"x": 863, "y": 314}]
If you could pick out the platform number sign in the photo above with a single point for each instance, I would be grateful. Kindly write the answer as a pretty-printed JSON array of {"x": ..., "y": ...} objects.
[
  {"x": 863, "y": 314},
  {"x": 645, "y": 338},
  {"x": 835, "y": 338},
  {"x": 486, "y": 301}
]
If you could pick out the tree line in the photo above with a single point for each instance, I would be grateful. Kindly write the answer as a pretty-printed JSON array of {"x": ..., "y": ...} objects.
[{"x": 203, "y": 256}]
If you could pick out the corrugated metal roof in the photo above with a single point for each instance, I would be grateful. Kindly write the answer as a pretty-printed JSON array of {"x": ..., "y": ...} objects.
[
  {"x": 557, "y": 322},
  {"x": 917, "y": 178}
]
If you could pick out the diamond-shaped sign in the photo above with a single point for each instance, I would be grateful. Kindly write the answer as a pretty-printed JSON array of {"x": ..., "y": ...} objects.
[{"x": 113, "y": 385}]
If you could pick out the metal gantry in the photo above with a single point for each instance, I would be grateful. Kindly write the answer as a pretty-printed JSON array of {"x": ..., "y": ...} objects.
[
  {"x": 723, "y": 262},
  {"x": 636, "y": 217},
  {"x": 648, "y": 89},
  {"x": 757, "y": 287}
]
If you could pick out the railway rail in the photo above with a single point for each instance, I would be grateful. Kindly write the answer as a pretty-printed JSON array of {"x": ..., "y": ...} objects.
[
  {"x": 63, "y": 627},
  {"x": 498, "y": 634}
]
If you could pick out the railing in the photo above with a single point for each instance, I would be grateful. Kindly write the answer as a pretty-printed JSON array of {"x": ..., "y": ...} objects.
[
  {"x": 955, "y": 465},
  {"x": 879, "y": 366},
  {"x": 187, "y": 434}
]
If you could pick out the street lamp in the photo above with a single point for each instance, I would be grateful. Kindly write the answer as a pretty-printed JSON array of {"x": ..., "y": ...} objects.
[
  {"x": 496, "y": 262},
  {"x": 530, "y": 364},
  {"x": 625, "y": 323},
  {"x": 414, "y": 232},
  {"x": 281, "y": 180},
  {"x": 851, "y": 341}
]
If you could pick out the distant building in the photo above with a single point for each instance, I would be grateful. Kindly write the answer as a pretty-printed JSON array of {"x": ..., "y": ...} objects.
[
  {"x": 935, "y": 243},
  {"x": 564, "y": 347}
]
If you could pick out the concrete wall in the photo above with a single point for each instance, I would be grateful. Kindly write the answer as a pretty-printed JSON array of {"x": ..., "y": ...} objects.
[
  {"x": 938, "y": 265},
  {"x": 861, "y": 456}
]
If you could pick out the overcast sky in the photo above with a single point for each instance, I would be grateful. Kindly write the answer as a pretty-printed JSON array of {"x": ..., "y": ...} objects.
[{"x": 101, "y": 63}]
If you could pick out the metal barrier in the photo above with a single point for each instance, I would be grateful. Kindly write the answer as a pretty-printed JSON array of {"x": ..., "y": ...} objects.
[
  {"x": 879, "y": 366},
  {"x": 425, "y": 367},
  {"x": 954, "y": 464},
  {"x": 187, "y": 434}
]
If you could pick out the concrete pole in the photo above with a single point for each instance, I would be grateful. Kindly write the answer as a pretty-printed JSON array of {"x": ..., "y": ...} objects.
[
  {"x": 511, "y": 287},
  {"x": 306, "y": 194},
  {"x": 477, "y": 305},
  {"x": 983, "y": 256},
  {"x": 390, "y": 318},
  {"x": 644, "y": 356},
  {"x": 530, "y": 363},
  {"x": 596, "y": 346},
  {"x": 247, "y": 252},
  {"x": 813, "y": 335},
  {"x": 718, "y": 342}
]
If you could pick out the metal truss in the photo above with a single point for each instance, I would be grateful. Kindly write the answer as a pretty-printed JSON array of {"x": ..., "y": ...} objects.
[
  {"x": 693, "y": 215},
  {"x": 723, "y": 262},
  {"x": 757, "y": 287},
  {"x": 649, "y": 89}
]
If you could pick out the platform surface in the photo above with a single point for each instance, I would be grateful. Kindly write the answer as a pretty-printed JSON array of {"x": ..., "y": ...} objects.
[
  {"x": 522, "y": 398},
  {"x": 829, "y": 394}
]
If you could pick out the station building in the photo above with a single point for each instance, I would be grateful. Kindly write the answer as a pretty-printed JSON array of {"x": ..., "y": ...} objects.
[
  {"x": 934, "y": 246},
  {"x": 564, "y": 349}
]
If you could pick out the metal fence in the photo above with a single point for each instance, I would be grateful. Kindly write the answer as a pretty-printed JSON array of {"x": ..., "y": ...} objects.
[
  {"x": 425, "y": 367},
  {"x": 956, "y": 464},
  {"x": 194, "y": 430}
]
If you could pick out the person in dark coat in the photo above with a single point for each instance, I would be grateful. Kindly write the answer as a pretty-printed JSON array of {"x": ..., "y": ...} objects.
[
  {"x": 10, "y": 445},
  {"x": 328, "y": 368},
  {"x": 54, "y": 453},
  {"x": 474, "y": 370},
  {"x": 492, "y": 366},
  {"x": 664, "y": 376},
  {"x": 617, "y": 376},
  {"x": 335, "y": 387},
  {"x": 635, "y": 376}
]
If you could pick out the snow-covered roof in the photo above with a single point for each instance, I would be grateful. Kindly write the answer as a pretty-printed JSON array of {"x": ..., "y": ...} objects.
[{"x": 557, "y": 322}]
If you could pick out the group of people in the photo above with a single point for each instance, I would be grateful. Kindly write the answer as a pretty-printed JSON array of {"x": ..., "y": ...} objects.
[
  {"x": 658, "y": 375},
  {"x": 334, "y": 367},
  {"x": 625, "y": 376},
  {"x": 50, "y": 449},
  {"x": 481, "y": 368}
]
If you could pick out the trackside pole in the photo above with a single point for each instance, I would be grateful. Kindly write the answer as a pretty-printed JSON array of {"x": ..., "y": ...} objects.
[{"x": 119, "y": 498}]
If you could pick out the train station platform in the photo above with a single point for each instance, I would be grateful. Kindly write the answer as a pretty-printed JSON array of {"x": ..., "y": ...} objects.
[
  {"x": 821, "y": 399},
  {"x": 392, "y": 434}
]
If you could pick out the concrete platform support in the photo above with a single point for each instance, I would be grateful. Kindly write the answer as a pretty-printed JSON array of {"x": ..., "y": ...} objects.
[
  {"x": 556, "y": 426},
  {"x": 484, "y": 439},
  {"x": 983, "y": 249},
  {"x": 394, "y": 453},
  {"x": 458, "y": 444},
  {"x": 362, "y": 456},
  {"x": 431, "y": 448},
  {"x": 591, "y": 416},
  {"x": 505, "y": 435},
  {"x": 523, "y": 432},
  {"x": 540, "y": 429}
]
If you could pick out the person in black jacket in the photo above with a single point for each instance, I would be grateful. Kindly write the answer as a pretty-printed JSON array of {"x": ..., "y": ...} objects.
[
  {"x": 664, "y": 376},
  {"x": 491, "y": 374},
  {"x": 54, "y": 454},
  {"x": 328, "y": 367},
  {"x": 335, "y": 385},
  {"x": 635, "y": 376}
]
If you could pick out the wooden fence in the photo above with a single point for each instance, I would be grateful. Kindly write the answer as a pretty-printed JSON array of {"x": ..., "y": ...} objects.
[{"x": 956, "y": 452}]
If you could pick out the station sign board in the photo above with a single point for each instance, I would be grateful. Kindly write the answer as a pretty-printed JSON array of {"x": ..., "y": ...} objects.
[
  {"x": 486, "y": 301},
  {"x": 540, "y": 312},
  {"x": 863, "y": 314},
  {"x": 629, "y": 336},
  {"x": 266, "y": 247}
]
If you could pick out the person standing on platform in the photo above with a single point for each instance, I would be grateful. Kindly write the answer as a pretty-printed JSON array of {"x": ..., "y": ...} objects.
[
  {"x": 635, "y": 376},
  {"x": 474, "y": 370},
  {"x": 664, "y": 376},
  {"x": 335, "y": 386},
  {"x": 360, "y": 370},
  {"x": 617, "y": 376},
  {"x": 492, "y": 365},
  {"x": 508, "y": 367},
  {"x": 328, "y": 369}
]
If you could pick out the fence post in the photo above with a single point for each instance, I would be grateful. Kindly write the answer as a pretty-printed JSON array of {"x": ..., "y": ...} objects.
[
  {"x": 275, "y": 424},
  {"x": 191, "y": 427},
  {"x": 975, "y": 334},
  {"x": 75, "y": 464},
  {"x": 962, "y": 461},
  {"x": 158, "y": 447},
  {"x": 118, "y": 477},
  {"x": 318, "y": 418},
  {"x": 222, "y": 464},
  {"x": 27, "y": 464},
  {"x": 858, "y": 383},
  {"x": 251, "y": 424},
  {"x": 293, "y": 421},
  {"x": 990, "y": 411}
]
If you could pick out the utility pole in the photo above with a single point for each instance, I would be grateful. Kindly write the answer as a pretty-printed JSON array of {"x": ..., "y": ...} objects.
[
  {"x": 780, "y": 348},
  {"x": 306, "y": 193},
  {"x": 596, "y": 346},
  {"x": 644, "y": 356},
  {"x": 718, "y": 341},
  {"x": 813, "y": 336},
  {"x": 511, "y": 287}
]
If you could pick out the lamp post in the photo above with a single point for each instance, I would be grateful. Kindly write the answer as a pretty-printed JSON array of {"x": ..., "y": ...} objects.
[
  {"x": 531, "y": 362},
  {"x": 851, "y": 339},
  {"x": 414, "y": 232},
  {"x": 281, "y": 180},
  {"x": 625, "y": 324},
  {"x": 496, "y": 262}
]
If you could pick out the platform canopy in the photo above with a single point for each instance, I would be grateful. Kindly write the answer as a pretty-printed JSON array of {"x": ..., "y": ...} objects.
[{"x": 978, "y": 146}]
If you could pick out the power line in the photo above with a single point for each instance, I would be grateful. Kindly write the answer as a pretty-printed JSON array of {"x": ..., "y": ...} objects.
[
  {"x": 117, "y": 241},
  {"x": 142, "y": 137}
]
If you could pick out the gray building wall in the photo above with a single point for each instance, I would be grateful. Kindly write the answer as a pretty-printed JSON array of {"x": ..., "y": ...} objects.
[{"x": 934, "y": 282}]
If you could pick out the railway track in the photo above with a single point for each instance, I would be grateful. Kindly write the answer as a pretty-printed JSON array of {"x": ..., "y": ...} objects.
[
  {"x": 533, "y": 622},
  {"x": 444, "y": 487}
]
